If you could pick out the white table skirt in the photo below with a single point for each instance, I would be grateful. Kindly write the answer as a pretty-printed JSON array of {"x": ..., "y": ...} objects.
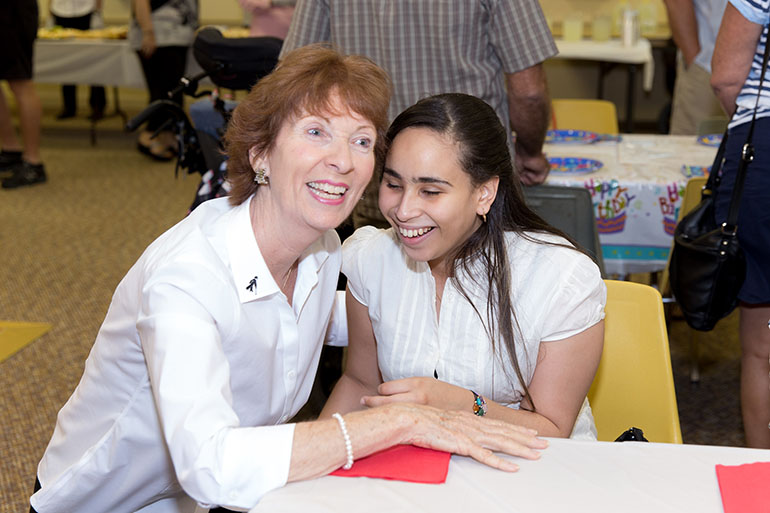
[
  {"x": 109, "y": 62},
  {"x": 88, "y": 61},
  {"x": 636, "y": 194},
  {"x": 571, "y": 476}
]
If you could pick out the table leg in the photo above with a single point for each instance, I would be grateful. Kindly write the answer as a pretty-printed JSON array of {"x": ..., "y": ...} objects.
[{"x": 630, "y": 99}]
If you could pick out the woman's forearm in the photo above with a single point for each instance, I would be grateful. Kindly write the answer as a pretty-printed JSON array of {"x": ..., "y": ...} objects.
[
  {"x": 319, "y": 446},
  {"x": 346, "y": 396},
  {"x": 733, "y": 53}
]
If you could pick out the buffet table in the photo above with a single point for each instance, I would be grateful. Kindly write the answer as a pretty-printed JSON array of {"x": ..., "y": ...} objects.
[
  {"x": 636, "y": 193},
  {"x": 571, "y": 476}
]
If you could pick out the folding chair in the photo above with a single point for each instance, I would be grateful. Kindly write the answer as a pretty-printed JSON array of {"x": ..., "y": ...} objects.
[
  {"x": 598, "y": 116},
  {"x": 571, "y": 210}
]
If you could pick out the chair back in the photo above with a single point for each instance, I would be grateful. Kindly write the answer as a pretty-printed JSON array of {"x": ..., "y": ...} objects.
[
  {"x": 691, "y": 198},
  {"x": 571, "y": 210},
  {"x": 634, "y": 385},
  {"x": 598, "y": 116}
]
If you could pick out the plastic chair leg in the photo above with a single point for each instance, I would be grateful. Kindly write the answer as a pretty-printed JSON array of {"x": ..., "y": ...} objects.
[{"x": 694, "y": 367}]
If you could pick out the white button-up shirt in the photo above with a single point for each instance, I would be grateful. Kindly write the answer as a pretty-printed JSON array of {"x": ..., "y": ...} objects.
[{"x": 198, "y": 360}]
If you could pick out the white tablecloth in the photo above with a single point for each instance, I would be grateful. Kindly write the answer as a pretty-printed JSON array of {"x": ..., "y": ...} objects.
[
  {"x": 571, "y": 476},
  {"x": 89, "y": 61},
  {"x": 109, "y": 62},
  {"x": 611, "y": 51},
  {"x": 637, "y": 194}
]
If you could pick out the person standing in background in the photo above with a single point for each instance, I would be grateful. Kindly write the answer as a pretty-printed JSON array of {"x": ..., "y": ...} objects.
[
  {"x": 161, "y": 32},
  {"x": 268, "y": 17},
  {"x": 491, "y": 49},
  {"x": 694, "y": 26},
  {"x": 18, "y": 30},
  {"x": 81, "y": 15},
  {"x": 736, "y": 69}
]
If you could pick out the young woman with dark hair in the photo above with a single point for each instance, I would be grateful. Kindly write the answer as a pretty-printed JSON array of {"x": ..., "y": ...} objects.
[{"x": 470, "y": 301}]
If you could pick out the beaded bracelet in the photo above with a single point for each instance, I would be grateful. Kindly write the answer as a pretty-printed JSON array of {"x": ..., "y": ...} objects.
[
  {"x": 479, "y": 404},
  {"x": 348, "y": 445}
]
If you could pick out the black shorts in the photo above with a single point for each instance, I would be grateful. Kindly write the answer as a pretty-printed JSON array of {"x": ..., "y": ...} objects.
[
  {"x": 18, "y": 29},
  {"x": 754, "y": 214}
]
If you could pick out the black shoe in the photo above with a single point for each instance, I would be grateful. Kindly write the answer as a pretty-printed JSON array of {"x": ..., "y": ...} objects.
[
  {"x": 9, "y": 160},
  {"x": 65, "y": 114},
  {"x": 25, "y": 174}
]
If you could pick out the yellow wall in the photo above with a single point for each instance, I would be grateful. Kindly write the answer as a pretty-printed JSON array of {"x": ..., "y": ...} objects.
[{"x": 213, "y": 12}]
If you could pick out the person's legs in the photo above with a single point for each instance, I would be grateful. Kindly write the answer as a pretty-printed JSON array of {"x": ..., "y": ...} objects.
[
  {"x": 97, "y": 101},
  {"x": 694, "y": 100},
  {"x": 69, "y": 91},
  {"x": 162, "y": 72},
  {"x": 30, "y": 114},
  {"x": 31, "y": 170},
  {"x": 755, "y": 378},
  {"x": 8, "y": 139}
]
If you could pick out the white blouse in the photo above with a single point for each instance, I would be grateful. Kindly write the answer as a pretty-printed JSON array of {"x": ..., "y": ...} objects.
[
  {"x": 557, "y": 292},
  {"x": 198, "y": 361}
]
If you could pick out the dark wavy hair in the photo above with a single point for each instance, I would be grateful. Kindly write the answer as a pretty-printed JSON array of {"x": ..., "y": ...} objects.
[
  {"x": 304, "y": 81},
  {"x": 483, "y": 155}
]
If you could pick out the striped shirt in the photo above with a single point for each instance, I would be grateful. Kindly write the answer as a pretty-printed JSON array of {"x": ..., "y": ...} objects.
[
  {"x": 756, "y": 11},
  {"x": 431, "y": 46}
]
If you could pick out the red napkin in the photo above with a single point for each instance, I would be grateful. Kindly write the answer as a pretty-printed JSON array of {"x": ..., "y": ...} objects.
[
  {"x": 745, "y": 487},
  {"x": 402, "y": 463}
]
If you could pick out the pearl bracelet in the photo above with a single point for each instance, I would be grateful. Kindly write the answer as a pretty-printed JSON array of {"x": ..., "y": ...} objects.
[{"x": 348, "y": 445}]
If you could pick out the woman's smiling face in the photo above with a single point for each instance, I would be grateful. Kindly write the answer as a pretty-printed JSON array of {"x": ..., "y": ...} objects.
[
  {"x": 319, "y": 166},
  {"x": 428, "y": 197}
]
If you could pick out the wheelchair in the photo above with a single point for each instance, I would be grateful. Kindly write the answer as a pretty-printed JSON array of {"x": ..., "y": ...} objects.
[{"x": 229, "y": 63}]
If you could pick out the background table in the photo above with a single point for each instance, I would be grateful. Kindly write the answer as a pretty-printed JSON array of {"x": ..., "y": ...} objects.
[
  {"x": 87, "y": 61},
  {"x": 570, "y": 476},
  {"x": 608, "y": 54},
  {"x": 636, "y": 194}
]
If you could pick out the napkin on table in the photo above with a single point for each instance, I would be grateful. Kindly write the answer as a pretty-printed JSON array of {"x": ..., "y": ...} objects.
[
  {"x": 745, "y": 488},
  {"x": 402, "y": 463}
]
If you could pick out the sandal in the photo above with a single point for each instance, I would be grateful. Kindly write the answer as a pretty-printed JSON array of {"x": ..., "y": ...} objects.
[{"x": 157, "y": 151}]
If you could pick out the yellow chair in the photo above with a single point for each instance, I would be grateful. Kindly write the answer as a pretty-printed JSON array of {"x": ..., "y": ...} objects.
[
  {"x": 634, "y": 385},
  {"x": 598, "y": 116}
]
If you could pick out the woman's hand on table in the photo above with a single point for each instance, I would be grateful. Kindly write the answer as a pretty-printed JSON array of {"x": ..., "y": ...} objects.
[
  {"x": 427, "y": 391},
  {"x": 463, "y": 433}
]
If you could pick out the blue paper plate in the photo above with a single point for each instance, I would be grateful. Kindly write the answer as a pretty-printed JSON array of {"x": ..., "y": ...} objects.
[
  {"x": 693, "y": 171},
  {"x": 710, "y": 140},
  {"x": 570, "y": 137},
  {"x": 573, "y": 165}
]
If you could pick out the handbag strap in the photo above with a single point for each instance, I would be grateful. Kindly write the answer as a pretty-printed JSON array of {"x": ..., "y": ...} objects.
[{"x": 747, "y": 155}]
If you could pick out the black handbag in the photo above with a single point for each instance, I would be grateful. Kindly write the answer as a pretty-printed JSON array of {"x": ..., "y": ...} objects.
[{"x": 708, "y": 267}]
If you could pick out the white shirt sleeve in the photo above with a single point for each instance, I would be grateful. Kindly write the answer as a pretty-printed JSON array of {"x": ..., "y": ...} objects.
[
  {"x": 215, "y": 460},
  {"x": 354, "y": 264},
  {"x": 579, "y": 298}
]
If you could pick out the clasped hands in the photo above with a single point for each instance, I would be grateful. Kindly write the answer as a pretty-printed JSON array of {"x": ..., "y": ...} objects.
[
  {"x": 427, "y": 391},
  {"x": 449, "y": 424}
]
